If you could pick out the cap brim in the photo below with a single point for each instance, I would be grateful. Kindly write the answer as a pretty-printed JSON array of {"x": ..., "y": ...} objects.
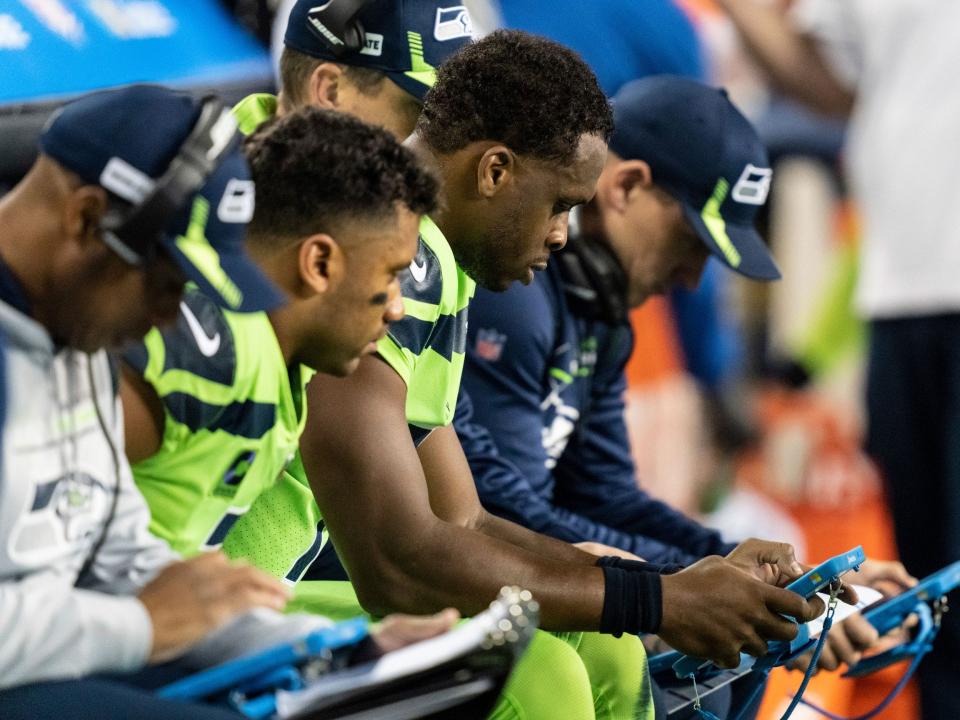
[
  {"x": 739, "y": 247},
  {"x": 416, "y": 86},
  {"x": 232, "y": 280}
]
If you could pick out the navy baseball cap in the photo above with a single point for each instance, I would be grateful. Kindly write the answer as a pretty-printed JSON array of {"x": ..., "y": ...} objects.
[
  {"x": 405, "y": 39},
  {"x": 125, "y": 140},
  {"x": 707, "y": 155}
]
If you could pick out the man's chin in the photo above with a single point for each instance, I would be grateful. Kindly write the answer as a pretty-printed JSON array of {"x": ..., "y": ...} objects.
[{"x": 502, "y": 283}]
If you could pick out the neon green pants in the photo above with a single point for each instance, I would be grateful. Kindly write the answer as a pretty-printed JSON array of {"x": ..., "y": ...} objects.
[{"x": 568, "y": 676}]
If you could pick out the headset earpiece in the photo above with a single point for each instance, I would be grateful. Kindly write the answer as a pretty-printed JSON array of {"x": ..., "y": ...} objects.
[
  {"x": 336, "y": 24},
  {"x": 593, "y": 279},
  {"x": 133, "y": 233}
]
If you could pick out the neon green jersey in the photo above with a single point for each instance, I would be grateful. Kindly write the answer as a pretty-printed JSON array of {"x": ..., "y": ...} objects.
[
  {"x": 283, "y": 532},
  {"x": 426, "y": 348},
  {"x": 233, "y": 415}
]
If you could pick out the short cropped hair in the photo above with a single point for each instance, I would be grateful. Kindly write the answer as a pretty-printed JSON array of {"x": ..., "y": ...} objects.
[
  {"x": 315, "y": 168},
  {"x": 297, "y": 67},
  {"x": 532, "y": 94}
]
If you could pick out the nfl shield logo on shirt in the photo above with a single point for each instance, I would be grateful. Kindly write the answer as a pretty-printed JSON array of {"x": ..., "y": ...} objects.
[{"x": 489, "y": 345}]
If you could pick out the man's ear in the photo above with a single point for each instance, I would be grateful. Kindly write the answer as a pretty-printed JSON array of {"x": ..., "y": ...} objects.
[
  {"x": 321, "y": 263},
  {"x": 325, "y": 85},
  {"x": 83, "y": 211},
  {"x": 628, "y": 178},
  {"x": 497, "y": 169}
]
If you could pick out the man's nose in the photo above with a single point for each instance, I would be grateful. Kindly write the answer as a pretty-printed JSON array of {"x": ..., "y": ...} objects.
[
  {"x": 394, "y": 310},
  {"x": 557, "y": 238}
]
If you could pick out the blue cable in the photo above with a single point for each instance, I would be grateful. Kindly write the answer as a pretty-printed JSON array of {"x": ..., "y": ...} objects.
[
  {"x": 915, "y": 663},
  {"x": 812, "y": 667}
]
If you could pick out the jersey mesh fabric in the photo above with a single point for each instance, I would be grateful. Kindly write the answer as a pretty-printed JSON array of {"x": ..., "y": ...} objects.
[
  {"x": 283, "y": 532},
  {"x": 233, "y": 415}
]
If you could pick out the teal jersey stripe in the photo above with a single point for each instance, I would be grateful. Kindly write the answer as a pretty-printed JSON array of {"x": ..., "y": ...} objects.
[
  {"x": 427, "y": 347},
  {"x": 247, "y": 418},
  {"x": 224, "y": 443}
]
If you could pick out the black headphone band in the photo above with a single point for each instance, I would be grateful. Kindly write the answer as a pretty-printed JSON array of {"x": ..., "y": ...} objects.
[
  {"x": 212, "y": 138},
  {"x": 594, "y": 280},
  {"x": 335, "y": 23}
]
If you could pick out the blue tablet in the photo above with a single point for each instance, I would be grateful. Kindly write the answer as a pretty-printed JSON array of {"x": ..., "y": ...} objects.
[
  {"x": 813, "y": 581},
  {"x": 890, "y": 613},
  {"x": 807, "y": 585}
]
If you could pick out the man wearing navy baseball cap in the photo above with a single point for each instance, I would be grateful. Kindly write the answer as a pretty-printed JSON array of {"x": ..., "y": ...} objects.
[
  {"x": 154, "y": 207},
  {"x": 375, "y": 59},
  {"x": 166, "y": 180},
  {"x": 135, "y": 190},
  {"x": 708, "y": 166}
]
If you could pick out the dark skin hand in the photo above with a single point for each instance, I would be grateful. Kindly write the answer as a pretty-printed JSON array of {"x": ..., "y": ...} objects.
[
  {"x": 742, "y": 616},
  {"x": 850, "y": 639},
  {"x": 191, "y": 598},
  {"x": 414, "y": 538}
]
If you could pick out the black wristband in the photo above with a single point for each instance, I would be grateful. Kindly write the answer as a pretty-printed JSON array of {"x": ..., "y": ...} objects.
[
  {"x": 638, "y": 565},
  {"x": 632, "y": 602}
]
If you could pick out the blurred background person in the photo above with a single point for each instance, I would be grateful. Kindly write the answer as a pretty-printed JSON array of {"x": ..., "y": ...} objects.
[{"x": 888, "y": 66}]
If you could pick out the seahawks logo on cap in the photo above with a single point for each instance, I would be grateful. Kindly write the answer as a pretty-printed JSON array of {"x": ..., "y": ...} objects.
[
  {"x": 452, "y": 23},
  {"x": 753, "y": 186}
]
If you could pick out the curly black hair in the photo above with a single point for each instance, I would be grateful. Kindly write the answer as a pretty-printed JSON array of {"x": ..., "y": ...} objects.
[
  {"x": 532, "y": 94},
  {"x": 314, "y": 167}
]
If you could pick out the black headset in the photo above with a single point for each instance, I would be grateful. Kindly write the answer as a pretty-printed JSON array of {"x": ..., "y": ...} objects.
[
  {"x": 133, "y": 232},
  {"x": 593, "y": 279},
  {"x": 335, "y": 22}
]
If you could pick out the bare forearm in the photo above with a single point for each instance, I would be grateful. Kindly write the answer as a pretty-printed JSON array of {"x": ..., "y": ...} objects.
[
  {"x": 410, "y": 541},
  {"x": 791, "y": 60},
  {"x": 534, "y": 542},
  {"x": 451, "y": 566}
]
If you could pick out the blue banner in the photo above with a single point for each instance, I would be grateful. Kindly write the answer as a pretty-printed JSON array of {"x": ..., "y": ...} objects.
[{"x": 55, "y": 48}]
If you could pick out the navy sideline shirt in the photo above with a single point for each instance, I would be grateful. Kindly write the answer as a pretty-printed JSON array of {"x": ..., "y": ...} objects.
[{"x": 541, "y": 420}]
